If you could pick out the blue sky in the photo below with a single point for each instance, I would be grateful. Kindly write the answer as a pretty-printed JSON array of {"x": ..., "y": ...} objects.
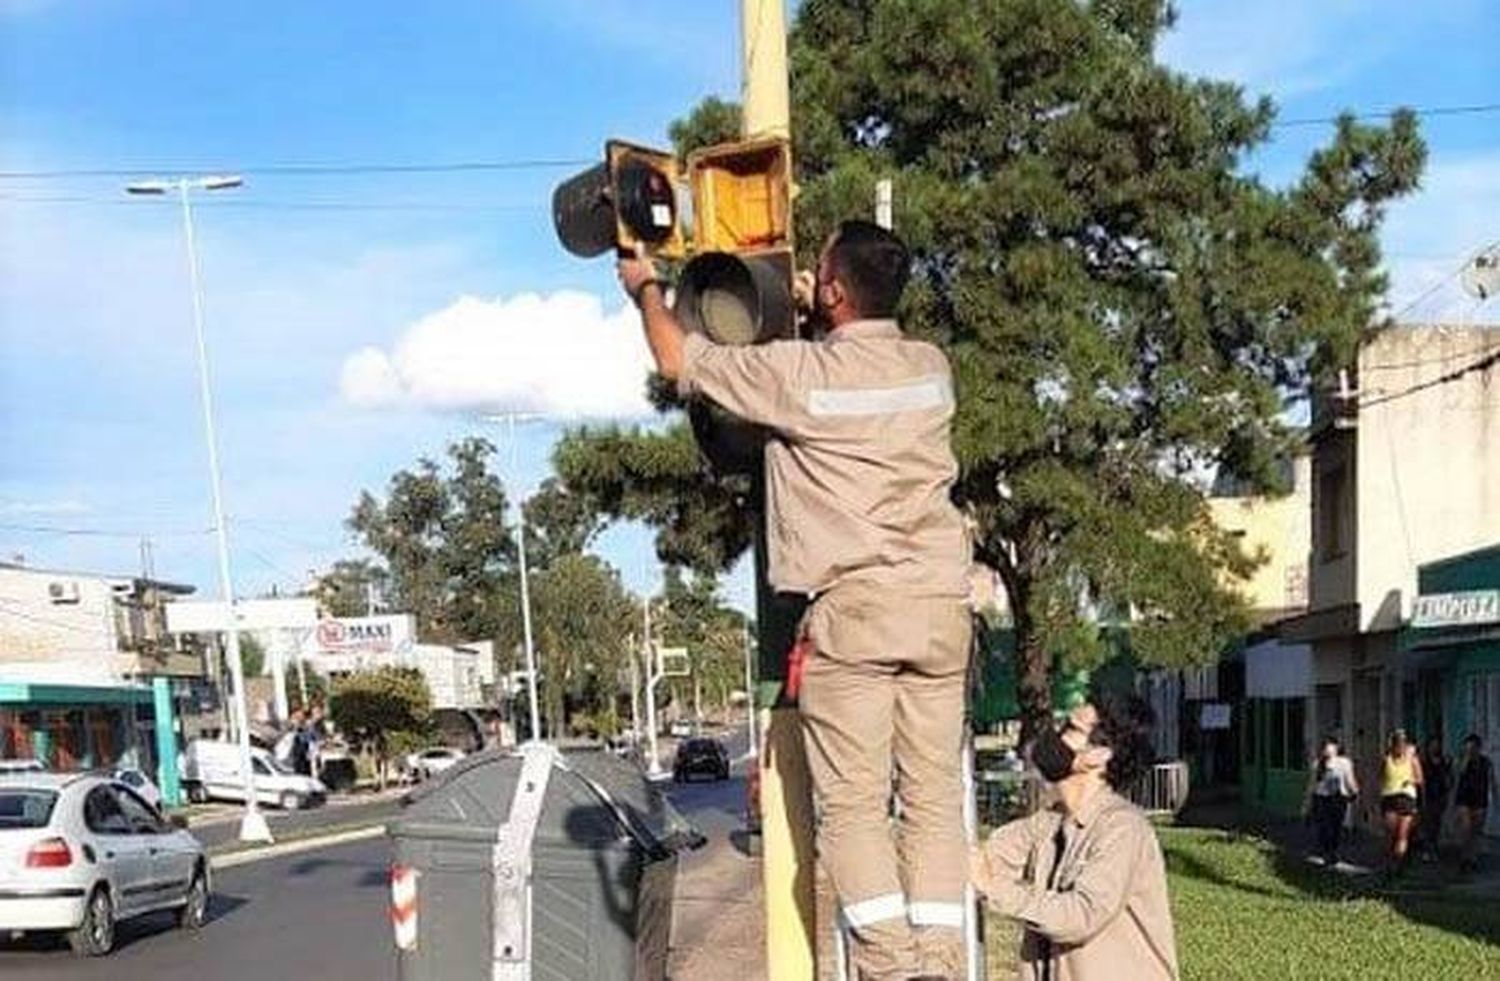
[{"x": 359, "y": 321}]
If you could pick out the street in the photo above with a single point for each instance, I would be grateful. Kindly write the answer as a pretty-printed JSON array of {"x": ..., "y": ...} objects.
[{"x": 324, "y": 913}]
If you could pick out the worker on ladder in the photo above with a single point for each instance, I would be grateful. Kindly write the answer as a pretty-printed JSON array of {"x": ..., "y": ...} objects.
[{"x": 859, "y": 517}]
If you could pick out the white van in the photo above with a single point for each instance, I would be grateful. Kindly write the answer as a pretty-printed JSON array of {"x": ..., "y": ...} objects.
[{"x": 211, "y": 771}]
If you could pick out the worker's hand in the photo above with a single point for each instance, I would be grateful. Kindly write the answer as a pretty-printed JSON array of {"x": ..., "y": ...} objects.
[
  {"x": 636, "y": 272},
  {"x": 804, "y": 289}
]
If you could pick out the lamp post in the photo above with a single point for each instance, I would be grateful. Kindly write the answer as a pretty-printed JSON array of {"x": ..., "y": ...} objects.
[
  {"x": 510, "y": 419},
  {"x": 253, "y": 826}
]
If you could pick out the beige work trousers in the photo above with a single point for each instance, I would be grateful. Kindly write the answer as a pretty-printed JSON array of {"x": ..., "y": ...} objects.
[{"x": 885, "y": 686}]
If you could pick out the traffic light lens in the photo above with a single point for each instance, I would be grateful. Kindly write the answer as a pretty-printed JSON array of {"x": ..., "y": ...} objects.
[
  {"x": 646, "y": 202},
  {"x": 736, "y": 300}
]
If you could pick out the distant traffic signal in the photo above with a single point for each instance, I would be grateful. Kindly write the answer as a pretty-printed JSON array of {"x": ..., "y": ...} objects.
[{"x": 630, "y": 199}]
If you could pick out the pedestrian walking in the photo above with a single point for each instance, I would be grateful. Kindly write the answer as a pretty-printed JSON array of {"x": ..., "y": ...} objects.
[
  {"x": 1400, "y": 786},
  {"x": 1085, "y": 878},
  {"x": 1437, "y": 782},
  {"x": 859, "y": 468},
  {"x": 1330, "y": 792},
  {"x": 1471, "y": 798}
]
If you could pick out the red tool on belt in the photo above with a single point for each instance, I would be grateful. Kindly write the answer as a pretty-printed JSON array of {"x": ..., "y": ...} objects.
[{"x": 796, "y": 663}]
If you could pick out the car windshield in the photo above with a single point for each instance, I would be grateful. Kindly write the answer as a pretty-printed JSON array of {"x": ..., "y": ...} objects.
[{"x": 26, "y": 808}]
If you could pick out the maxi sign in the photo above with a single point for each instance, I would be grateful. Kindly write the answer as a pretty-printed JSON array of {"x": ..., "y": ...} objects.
[
  {"x": 363, "y": 635},
  {"x": 1466, "y": 609}
]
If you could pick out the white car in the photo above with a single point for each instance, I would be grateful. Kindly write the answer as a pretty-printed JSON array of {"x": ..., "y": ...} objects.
[
  {"x": 680, "y": 729},
  {"x": 137, "y": 781},
  {"x": 79, "y": 853},
  {"x": 430, "y": 762},
  {"x": 211, "y": 771},
  {"x": 25, "y": 765}
]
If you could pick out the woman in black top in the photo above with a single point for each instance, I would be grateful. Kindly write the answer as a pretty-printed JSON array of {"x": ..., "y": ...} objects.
[{"x": 1476, "y": 778}]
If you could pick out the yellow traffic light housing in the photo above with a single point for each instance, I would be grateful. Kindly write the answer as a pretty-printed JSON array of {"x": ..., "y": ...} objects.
[
  {"x": 633, "y": 198},
  {"x": 737, "y": 289}
]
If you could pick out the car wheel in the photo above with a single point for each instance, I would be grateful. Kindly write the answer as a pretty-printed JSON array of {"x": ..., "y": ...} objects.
[
  {"x": 291, "y": 801},
  {"x": 95, "y": 936},
  {"x": 194, "y": 912}
]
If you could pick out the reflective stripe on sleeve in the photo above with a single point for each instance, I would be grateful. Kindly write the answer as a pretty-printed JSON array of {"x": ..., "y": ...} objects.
[
  {"x": 931, "y": 392},
  {"x": 868, "y": 912},
  {"x": 927, "y": 913}
]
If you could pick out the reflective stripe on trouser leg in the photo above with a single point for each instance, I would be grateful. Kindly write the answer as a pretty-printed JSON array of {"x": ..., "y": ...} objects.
[
  {"x": 846, "y": 718},
  {"x": 928, "y": 747}
]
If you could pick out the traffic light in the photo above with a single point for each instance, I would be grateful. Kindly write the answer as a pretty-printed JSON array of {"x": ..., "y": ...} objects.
[
  {"x": 737, "y": 289},
  {"x": 631, "y": 198}
]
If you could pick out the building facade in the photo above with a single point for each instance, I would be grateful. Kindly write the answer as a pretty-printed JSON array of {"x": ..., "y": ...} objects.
[{"x": 1406, "y": 472}]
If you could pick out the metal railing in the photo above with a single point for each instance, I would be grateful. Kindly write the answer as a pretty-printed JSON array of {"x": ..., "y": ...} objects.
[{"x": 1004, "y": 794}]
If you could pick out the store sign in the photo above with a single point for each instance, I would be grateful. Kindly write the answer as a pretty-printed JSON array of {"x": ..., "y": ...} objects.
[
  {"x": 1457, "y": 609},
  {"x": 350, "y": 635}
]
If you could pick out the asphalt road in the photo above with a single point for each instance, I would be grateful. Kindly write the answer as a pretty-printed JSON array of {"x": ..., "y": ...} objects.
[{"x": 319, "y": 914}]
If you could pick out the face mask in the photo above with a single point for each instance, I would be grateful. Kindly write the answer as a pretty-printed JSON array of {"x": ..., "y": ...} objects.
[{"x": 1053, "y": 757}]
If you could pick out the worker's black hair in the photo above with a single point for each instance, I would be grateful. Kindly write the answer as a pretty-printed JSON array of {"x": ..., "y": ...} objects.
[
  {"x": 1124, "y": 725},
  {"x": 872, "y": 265}
]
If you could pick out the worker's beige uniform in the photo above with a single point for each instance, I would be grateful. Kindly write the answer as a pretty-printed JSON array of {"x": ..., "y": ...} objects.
[
  {"x": 859, "y": 516},
  {"x": 1090, "y": 889}
]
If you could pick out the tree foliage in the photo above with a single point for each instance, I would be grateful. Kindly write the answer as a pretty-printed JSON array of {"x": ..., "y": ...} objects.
[
  {"x": 445, "y": 543},
  {"x": 581, "y": 617},
  {"x": 346, "y": 590},
  {"x": 1126, "y": 307},
  {"x": 388, "y": 710},
  {"x": 694, "y": 616}
]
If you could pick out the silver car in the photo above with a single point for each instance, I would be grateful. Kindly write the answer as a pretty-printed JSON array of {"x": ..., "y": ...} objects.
[{"x": 80, "y": 852}]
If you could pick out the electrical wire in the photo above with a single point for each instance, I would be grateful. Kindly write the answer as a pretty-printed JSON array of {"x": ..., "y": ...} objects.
[
  {"x": 1421, "y": 113},
  {"x": 100, "y": 532},
  {"x": 293, "y": 205},
  {"x": 303, "y": 169},
  {"x": 1483, "y": 364}
]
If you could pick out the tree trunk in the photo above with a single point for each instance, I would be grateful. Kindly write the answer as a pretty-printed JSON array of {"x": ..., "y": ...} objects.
[{"x": 1033, "y": 674}]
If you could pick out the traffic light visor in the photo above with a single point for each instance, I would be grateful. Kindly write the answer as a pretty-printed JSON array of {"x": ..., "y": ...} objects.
[{"x": 737, "y": 299}]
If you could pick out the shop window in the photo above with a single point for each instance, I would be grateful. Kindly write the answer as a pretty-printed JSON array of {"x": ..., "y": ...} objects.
[{"x": 1333, "y": 512}]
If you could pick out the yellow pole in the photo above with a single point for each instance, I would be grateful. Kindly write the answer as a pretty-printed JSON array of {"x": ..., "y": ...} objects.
[
  {"x": 766, "y": 100},
  {"x": 785, "y": 786}
]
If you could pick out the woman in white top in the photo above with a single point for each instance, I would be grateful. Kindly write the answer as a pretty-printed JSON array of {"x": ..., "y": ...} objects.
[{"x": 1333, "y": 788}]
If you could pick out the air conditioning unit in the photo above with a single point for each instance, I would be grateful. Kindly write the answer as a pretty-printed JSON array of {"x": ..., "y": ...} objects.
[{"x": 62, "y": 593}]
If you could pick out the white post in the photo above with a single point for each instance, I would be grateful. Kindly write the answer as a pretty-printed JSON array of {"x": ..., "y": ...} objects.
[
  {"x": 278, "y": 679},
  {"x": 884, "y": 196},
  {"x": 531, "y": 687},
  {"x": 635, "y": 697},
  {"x": 653, "y": 678},
  {"x": 253, "y": 825}
]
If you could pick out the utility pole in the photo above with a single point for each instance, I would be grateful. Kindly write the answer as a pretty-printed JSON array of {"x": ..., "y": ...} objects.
[
  {"x": 653, "y": 678},
  {"x": 750, "y": 695},
  {"x": 785, "y": 784}
]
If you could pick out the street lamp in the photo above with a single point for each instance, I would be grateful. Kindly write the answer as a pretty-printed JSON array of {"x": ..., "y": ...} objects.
[
  {"x": 253, "y": 826},
  {"x": 510, "y": 419}
]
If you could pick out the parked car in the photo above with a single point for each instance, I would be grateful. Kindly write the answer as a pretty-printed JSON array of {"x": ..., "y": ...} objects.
[
  {"x": 701, "y": 756},
  {"x": 680, "y": 729},
  {"x": 23, "y": 765},
  {"x": 81, "y": 852},
  {"x": 211, "y": 771},
  {"x": 137, "y": 781},
  {"x": 429, "y": 763}
]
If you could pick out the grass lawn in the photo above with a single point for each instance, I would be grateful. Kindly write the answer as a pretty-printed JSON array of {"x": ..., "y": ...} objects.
[{"x": 1243, "y": 909}]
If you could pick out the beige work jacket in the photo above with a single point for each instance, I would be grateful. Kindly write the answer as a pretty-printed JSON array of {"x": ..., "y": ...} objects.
[
  {"x": 858, "y": 478},
  {"x": 1101, "y": 913}
]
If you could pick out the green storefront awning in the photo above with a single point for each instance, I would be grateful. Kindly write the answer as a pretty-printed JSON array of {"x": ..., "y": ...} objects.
[{"x": 34, "y": 693}]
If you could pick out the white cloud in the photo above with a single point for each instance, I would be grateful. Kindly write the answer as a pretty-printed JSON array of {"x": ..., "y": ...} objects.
[
  {"x": 31, "y": 509},
  {"x": 560, "y": 354}
]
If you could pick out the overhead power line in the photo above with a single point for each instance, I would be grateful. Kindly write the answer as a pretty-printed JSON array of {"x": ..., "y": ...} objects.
[
  {"x": 273, "y": 204},
  {"x": 302, "y": 169},
  {"x": 1427, "y": 112},
  {"x": 99, "y": 532},
  {"x": 1447, "y": 378}
]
